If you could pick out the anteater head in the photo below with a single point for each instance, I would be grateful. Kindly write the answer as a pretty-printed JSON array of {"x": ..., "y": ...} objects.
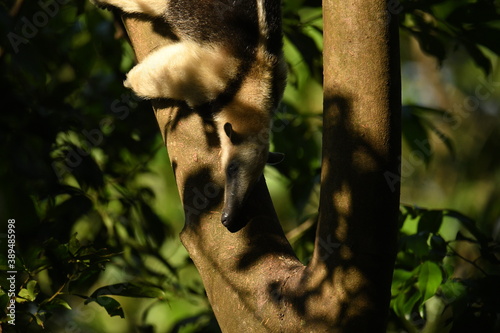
[
  {"x": 244, "y": 129},
  {"x": 243, "y": 159}
]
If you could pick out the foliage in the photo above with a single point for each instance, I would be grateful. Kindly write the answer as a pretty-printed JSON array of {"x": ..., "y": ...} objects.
[
  {"x": 70, "y": 265},
  {"x": 445, "y": 259},
  {"x": 76, "y": 150},
  {"x": 84, "y": 173},
  {"x": 468, "y": 24}
]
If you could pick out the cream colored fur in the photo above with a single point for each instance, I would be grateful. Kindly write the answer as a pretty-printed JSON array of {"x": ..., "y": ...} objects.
[
  {"x": 185, "y": 71},
  {"x": 150, "y": 7}
]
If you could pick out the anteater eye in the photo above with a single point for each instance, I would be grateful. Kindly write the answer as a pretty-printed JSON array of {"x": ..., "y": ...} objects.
[{"x": 232, "y": 169}]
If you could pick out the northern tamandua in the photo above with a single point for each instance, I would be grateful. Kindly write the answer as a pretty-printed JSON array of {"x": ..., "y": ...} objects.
[{"x": 229, "y": 58}]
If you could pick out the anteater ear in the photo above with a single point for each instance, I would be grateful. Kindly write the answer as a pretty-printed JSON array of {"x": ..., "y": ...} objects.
[{"x": 275, "y": 158}]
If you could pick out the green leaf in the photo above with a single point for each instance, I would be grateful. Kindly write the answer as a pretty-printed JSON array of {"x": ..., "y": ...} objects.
[
  {"x": 401, "y": 275},
  {"x": 74, "y": 244},
  {"x": 410, "y": 303},
  {"x": 405, "y": 302},
  {"x": 417, "y": 244},
  {"x": 40, "y": 319},
  {"x": 415, "y": 135},
  {"x": 135, "y": 289},
  {"x": 57, "y": 303},
  {"x": 86, "y": 279},
  {"x": 455, "y": 293},
  {"x": 430, "y": 44},
  {"x": 111, "y": 305},
  {"x": 398, "y": 304},
  {"x": 468, "y": 224},
  {"x": 430, "y": 278},
  {"x": 71, "y": 210},
  {"x": 29, "y": 293},
  {"x": 441, "y": 136},
  {"x": 417, "y": 127},
  {"x": 481, "y": 60},
  {"x": 430, "y": 221},
  {"x": 420, "y": 110},
  {"x": 155, "y": 226},
  {"x": 452, "y": 291},
  {"x": 4, "y": 299},
  {"x": 400, "y": 280},
  {"x": 85, "y": 169},
  {"x": 438, "y": 248}
]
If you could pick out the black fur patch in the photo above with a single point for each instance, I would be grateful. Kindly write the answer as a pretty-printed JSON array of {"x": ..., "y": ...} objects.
[{"x": 233, "y": 24}]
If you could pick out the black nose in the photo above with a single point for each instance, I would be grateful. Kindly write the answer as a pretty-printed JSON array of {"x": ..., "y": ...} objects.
[
  {"x": 225, "y": 219},
  {"x": 233, "y": 222}
]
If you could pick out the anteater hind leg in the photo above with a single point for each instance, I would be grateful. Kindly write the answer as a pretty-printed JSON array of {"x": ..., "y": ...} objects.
[
  {"x": 185, "y": 71},
  {"x": 150, "y": 7}
]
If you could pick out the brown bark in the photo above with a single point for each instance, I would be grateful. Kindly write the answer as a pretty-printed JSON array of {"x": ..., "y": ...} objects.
[
  {"x": 356, "y": 238},
  {"x": 253, "y": 280}
]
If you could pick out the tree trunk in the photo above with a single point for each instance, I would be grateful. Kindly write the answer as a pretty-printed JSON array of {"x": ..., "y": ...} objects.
[
  {"x": 357, "y": 232},
  {"x": 252, "y": 277}
]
